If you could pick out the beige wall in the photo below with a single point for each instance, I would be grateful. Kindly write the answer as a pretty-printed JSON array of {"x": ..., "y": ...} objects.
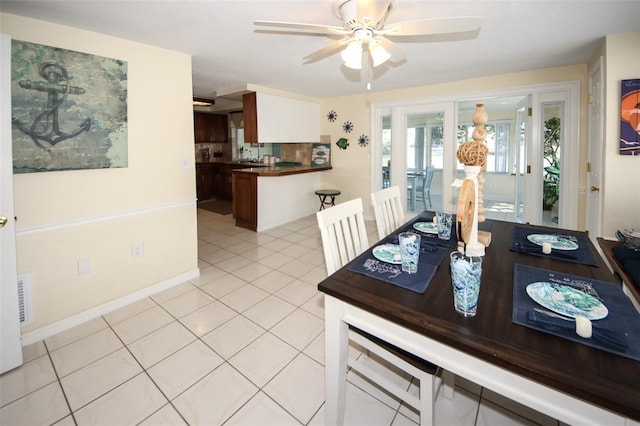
[
  {"x": 98, "y": 214},
  {"x": 621, "y": 189},
  {"x": 351, "y": 167}
]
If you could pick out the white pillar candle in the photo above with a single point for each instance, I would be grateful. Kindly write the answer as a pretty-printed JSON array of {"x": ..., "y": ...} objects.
[
  {"x": 583, "y": 327},
  {"x": 546, "y": 248}
]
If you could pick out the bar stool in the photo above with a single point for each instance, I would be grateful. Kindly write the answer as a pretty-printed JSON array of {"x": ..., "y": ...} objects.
[{"x": 323, "y": 194}]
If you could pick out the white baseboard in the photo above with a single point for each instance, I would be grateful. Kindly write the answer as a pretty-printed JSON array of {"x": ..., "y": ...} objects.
[{"x": 75, "y": 320}]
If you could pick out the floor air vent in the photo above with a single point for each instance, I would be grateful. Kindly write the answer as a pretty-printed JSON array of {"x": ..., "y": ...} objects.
[{"x": 24, "y": 299}]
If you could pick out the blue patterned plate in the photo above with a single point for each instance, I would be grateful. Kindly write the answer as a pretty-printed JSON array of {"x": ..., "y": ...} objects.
[
  {"x": 557, "y": 242},
  {"x": 566, "y": 300},
  {"x": 389, "y": 253},
  {"x": 426, "y": 227}
]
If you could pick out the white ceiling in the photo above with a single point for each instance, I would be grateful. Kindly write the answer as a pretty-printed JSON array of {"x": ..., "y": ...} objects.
[{"x": 227, "y": 50}]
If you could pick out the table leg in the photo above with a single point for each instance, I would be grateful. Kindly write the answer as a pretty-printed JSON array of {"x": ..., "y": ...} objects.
[{"x": 336, "y": 347}]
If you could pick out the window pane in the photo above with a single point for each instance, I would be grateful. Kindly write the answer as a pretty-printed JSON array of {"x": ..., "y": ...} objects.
[{"x": 386, "y": 151}]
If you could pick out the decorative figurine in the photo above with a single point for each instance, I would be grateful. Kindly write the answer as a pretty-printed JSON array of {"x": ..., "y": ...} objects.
[
  {"x": 473, "y": 154},
  {"x": 342, "y": 143}
]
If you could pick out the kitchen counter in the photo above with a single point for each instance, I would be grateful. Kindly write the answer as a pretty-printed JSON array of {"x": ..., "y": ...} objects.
[
  {"x": 266, "y": 197},
  {"x": 281, "y": 171}
]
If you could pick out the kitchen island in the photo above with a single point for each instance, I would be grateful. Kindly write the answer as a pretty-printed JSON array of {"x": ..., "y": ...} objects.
[{"x": 266, "y": 197}]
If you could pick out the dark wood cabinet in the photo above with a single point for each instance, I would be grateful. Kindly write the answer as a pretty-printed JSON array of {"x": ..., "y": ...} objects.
[
  {"x": 245, "y": 201},
  {"x": 250, "y": 117},
  {"x": 214, "y": 180},
  {"x": 210, "y": 128},
  {"x": 226, "y": 190},
  {"x": 204, "y": 181}
]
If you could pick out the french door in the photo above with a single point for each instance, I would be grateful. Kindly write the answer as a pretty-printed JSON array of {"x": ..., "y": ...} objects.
[
  {"x": 417, "y": 136},
  {"x": 419, "y": 149},
  {"x": 523, "y": 129}
]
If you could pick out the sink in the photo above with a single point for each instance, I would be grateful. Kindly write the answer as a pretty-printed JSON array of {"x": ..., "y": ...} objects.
[{"x": 288, "y": 164}]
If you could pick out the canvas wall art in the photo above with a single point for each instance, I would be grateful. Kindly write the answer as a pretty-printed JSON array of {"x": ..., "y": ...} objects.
[
  {"x": 69, "y": 109},
  {"x": 630, "y": 117}
]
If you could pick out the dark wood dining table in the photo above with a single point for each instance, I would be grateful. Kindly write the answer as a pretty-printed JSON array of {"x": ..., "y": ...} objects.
[{"x": 569, "y": 381}]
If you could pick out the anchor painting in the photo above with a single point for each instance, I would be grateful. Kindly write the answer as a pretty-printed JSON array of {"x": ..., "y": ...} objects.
[{"x": 69, "y": 110}]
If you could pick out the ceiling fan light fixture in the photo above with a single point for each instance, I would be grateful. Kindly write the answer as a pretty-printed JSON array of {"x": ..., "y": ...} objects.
[
  {"x": 379, "y": 55},
  {"x": 352, "y": 55}
]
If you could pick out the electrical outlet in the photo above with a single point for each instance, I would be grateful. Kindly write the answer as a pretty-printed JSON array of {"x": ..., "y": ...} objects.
[
  {"x": 84, "y": 267},
  {"x": 137, "y": 250}
]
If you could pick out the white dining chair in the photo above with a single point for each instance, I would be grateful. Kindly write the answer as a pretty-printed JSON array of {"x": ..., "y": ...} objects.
[
  {"x": 387, "y": 210},
  {"x": 344, "y": 237}
]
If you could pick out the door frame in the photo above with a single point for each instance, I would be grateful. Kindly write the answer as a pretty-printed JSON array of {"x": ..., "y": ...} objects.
[{"x": 540, "y": 92}]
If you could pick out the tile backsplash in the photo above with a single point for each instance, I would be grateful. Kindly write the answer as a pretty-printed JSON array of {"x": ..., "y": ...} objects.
[{"x": 298, "y": 152}]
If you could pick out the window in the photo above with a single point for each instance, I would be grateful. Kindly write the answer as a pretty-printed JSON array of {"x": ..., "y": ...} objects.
[{"x": 498, "y": 139}]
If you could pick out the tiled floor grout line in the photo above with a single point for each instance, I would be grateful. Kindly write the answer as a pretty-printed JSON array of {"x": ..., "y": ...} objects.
[
  {"x": 285, "y": 238},
  {"x": 299, "y": 352},
  {"x": 58, "y": 379},
  {"x": 169, "y": 401},
  {"x": 226, "y": 360}
]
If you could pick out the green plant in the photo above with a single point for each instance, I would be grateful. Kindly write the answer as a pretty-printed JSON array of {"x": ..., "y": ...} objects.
[{"x": 551, "y": 175}]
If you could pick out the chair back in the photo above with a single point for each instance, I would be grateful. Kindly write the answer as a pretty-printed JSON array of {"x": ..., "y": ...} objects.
[
  {"x": 387, "y": 209},
  {"x": 429, "y": 177},
  {"x": 343, "y": 233}
]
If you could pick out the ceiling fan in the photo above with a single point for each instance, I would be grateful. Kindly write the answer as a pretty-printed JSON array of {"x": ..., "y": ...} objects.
[{"x": 365, "y": 32}]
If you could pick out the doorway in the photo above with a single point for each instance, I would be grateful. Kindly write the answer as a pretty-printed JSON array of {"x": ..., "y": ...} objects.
[
  {"x": 507, "y": 141},
  {"x": 418, "y": 136}
]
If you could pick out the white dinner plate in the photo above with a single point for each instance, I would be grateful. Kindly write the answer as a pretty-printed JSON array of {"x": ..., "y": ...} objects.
[
  {"x": 557, "y": 242},
  {"x": 389, "y": 253},
  {"x": 566, "y": 300}
]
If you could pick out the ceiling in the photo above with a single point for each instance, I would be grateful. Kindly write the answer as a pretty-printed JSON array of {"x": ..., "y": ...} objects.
[{"x": 228, "y": 51}]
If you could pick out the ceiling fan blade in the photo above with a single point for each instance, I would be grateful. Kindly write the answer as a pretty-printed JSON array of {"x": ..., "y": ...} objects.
[
  {"x": 433, "y": 26},
  {"x": 326, "y": 51},
  {"x": 396, "y": 53},
  {"x": 312, "y": 28}
]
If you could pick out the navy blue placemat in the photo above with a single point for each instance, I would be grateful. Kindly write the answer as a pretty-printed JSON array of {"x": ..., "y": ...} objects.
[
  {"x": 583, "y": 255},
  {"x": 428, "y": 263},
  {"x": 622, "y": 319},
  {"x": 428, "y": 238}
]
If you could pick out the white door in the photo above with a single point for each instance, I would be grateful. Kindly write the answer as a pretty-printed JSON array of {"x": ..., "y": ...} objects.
[
  {"x": 523, "y": 129},
  {"x": 10, "y": 336},
  {"x": 595, "y": 142},
  {"x": 425, "y": 120}
]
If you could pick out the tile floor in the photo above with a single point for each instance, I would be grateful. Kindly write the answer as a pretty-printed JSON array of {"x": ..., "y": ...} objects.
[{"x": 241, "y": 345}]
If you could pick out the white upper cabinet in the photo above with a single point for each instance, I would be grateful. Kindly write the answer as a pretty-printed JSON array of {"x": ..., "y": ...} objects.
[{"x": 286, "y": 120}]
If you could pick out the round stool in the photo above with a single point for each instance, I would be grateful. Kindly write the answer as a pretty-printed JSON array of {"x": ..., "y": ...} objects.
[{"x": 323, "y": 194}]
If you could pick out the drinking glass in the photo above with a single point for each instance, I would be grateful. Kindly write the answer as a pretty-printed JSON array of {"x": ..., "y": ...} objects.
[
  {"x": 445, "y": 220},
  {"x": 409, "y": 251},
  {"x": 465, "y": 276}
]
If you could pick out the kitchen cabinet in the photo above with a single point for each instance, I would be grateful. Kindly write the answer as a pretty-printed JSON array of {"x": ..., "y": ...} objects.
[
  {"x": 214, "y": 180},
  {"x": 210, "y": 128},
  {"x": 225, "y": 190},
  {"x": 278, "y": 119},
  {"x": 245, "y": 203},
  {"x": 250, "y": 117},
  {"x": 204, "y": 181}
]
